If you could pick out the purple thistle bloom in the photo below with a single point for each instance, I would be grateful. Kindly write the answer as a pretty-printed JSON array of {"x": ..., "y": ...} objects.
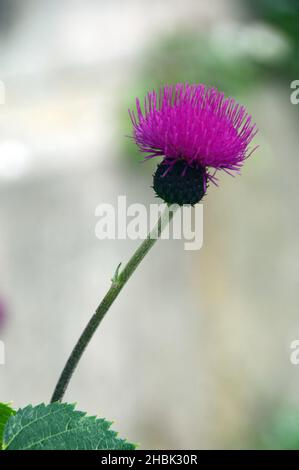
[{"x": 195, "y": 124}]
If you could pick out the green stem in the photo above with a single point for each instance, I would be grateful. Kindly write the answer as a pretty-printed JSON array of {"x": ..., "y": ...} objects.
[{"x": 118, "y": 281}]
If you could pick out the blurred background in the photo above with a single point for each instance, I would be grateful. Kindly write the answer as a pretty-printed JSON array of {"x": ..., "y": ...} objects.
[{"x": 195, "y": 353}]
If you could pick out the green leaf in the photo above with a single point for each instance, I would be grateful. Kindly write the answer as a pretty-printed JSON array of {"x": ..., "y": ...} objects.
[
  {"x": 59, "y": 427},
  {"x": 5, "y": 413}
]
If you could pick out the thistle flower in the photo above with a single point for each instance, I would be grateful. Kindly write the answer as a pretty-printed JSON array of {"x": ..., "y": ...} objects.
[{"x": 195, "y": 129}]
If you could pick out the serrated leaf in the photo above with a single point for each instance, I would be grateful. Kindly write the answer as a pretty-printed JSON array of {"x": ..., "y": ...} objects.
[
  {"x": 5, "y": 413},
  {"x": 59, "y": 426}
]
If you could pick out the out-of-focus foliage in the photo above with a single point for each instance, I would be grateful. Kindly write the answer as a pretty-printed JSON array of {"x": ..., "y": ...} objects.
[
  {"x": 284, "y": 16},
  {"x": 187, "y": 56},
  {"x": 284, "y": 434}
]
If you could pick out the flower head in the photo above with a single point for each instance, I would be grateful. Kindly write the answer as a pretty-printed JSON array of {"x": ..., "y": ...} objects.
[{"x": 196, "y": 125}]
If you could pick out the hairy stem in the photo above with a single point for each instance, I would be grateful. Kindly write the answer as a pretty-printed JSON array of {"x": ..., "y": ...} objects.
[{"x": 118, "y": 281}]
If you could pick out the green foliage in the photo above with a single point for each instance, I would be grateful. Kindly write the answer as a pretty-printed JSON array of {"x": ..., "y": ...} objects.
[
  {"x": 283, "y": 16},
  {"x": 283, "y": 433},
  {"x": 5, "y": 413},
  {"x": 188, "y": 56},
  {"x": 59, "y": 426}
]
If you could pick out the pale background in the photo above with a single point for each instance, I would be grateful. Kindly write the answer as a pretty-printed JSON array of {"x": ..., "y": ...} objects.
[{"x": 195, "y": 351}]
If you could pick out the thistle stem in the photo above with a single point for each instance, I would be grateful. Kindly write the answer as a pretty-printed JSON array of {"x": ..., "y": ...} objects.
[{"x": 118, "y": 281}]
